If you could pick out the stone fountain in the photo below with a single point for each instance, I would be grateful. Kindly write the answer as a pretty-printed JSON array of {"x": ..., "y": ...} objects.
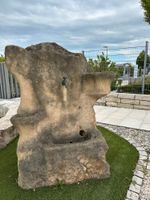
[{"x": 58, "y": 138}]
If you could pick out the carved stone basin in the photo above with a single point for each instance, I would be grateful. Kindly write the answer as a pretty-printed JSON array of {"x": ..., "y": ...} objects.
[{"x": 58, "y": 139}]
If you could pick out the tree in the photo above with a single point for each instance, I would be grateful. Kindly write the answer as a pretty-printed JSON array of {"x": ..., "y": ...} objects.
[
  {"x": 101, "y": 63},
  {"x": 140, "y": 61},
  {"x": 146, "y": 7},
  {"x": 2, "y": 58}
]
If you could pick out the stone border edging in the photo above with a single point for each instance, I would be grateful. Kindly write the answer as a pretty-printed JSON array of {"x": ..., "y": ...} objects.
[
  {"x": 7, "y": 132},
  {"x": 126, "y": 100},
  {"x": 142, "y": 165}
]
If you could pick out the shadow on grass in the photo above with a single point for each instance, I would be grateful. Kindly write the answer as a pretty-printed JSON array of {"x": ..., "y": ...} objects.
[{"x": 121, "y": 156}]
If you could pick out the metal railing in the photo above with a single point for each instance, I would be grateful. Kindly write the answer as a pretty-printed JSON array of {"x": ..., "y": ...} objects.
[{"x": 9, "y": 87}]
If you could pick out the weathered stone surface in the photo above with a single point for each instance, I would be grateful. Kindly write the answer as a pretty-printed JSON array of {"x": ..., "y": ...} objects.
[
  {"x": 6, "y": 136},
  {"x": 58, "y": 139}
]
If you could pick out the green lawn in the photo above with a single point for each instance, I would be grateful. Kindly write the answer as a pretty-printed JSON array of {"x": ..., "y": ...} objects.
[{"x": 121, "y": 156}]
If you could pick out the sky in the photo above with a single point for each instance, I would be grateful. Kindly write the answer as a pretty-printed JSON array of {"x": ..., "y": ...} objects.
[{"x": 74, "y": 24}]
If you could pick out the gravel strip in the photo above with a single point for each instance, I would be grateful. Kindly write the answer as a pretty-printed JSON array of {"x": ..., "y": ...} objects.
[{"x": 140, "y": 186}]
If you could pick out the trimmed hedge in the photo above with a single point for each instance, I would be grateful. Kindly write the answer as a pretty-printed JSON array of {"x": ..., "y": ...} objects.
[{"x": 134, "y": 89}]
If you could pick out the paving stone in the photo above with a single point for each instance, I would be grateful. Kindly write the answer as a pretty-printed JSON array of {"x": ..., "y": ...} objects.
[
  {"x": 132, "y": 195},
  {"x": 143, "y": 157},
  {"x": 140, "y": 168},
  {"x": 137, "y": 180},
  {"x": 139, "y": 173},
  {"x": 142, "y": 162},
  {"x": 148, "y": 166},
  {"x": 143, "y": 153},
  {"x": 135, "y": 188},
  {"x": 140, "y": 149}
]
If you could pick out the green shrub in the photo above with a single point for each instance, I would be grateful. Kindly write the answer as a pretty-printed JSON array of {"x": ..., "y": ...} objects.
[
  {"x": 139, "y": 82},
  {"x": 134, "y": 88},
  {"x": 113, "y": 85},
  {"x": 2, "y": 58}
]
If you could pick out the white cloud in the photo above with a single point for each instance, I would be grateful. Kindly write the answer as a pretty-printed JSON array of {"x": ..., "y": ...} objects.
[{"x": 75, "y": 24}]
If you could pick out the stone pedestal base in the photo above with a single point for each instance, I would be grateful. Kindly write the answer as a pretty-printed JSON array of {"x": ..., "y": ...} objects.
[{"x": 63, "y": 163}]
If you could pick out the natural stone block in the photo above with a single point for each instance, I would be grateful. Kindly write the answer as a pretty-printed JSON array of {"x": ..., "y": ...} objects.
[
  {"x": 141, "y": 107},
  {"x": 65, "y": 163},
  {"x": 124, "y": 105},
  {"x": 112, "y": 99},
  {"x": 130, "y": 101},
  {"x": 112, "y": 104},
  {"x": 58, "y": 139},
  {"x": 142, "y": 97},
  {"x": 126, "y": 96},
  {"x": 145, "y": 103}
]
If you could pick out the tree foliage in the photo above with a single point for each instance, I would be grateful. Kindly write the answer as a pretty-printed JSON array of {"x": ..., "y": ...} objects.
[
  {"x": 102, "y": 63},
  {"x": 2, "y": 58},
  {"x": 140, "y": 61},
  {"x": 146, "y": 7}
]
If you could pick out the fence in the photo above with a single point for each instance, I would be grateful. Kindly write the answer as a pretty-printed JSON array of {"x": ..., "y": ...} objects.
[
  {"x": 9, "y": 87},
  {"x": 119, "y": 55}
]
